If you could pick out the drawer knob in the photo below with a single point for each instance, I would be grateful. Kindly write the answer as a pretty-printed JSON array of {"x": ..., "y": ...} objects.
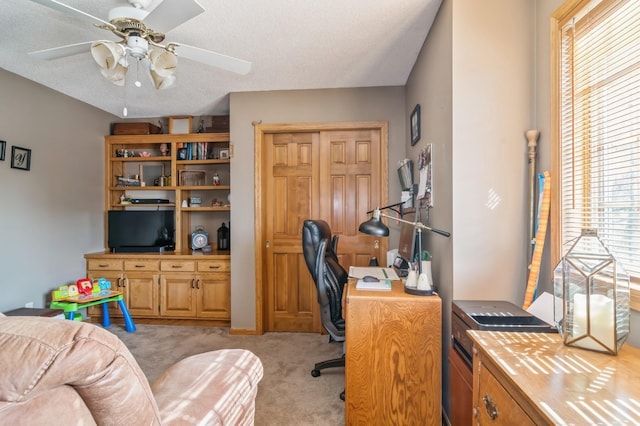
[
  {"x": 102, "y": 265},
  {"x": 214, "y": 266},
  {"x": 490, "y": 406},
  {"x": 176, "y": 266}
]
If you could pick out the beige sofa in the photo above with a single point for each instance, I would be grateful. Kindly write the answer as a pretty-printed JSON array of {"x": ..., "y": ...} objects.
[{"x": 72, "y": 373}]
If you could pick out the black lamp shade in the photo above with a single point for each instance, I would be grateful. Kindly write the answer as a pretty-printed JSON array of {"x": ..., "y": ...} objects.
[{"x": 374, "y": 227}]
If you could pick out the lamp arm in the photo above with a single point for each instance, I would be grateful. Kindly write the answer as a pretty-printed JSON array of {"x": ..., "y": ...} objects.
[
  {"x": 417, "y": 225},
  {"x": 388, "y": 207}
]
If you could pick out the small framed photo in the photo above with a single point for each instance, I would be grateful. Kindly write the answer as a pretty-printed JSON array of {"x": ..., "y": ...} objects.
[
  {"x": 20, "y": 158},
  {"x": 3, "y": 149},
  {"x": 415, "y": 125},
  {"x": 180, "y": 124},
  {"x": 182, "y": 153},
  {"x": 224, "y": 154}
]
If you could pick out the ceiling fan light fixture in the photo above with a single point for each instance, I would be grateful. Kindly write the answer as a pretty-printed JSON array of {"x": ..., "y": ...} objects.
[
  {"x": 107, "y": 54},
  {"x": 163, "y": 62},
  {"x": 162, "y": 66},
  {"x": 162, "y": 82},
  {"x": 116, "y": 75},
  {"x": 138, "y": 47}
]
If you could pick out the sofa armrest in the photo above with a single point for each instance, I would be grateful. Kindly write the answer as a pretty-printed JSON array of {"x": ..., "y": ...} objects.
[{"x": 217, "y": 388}]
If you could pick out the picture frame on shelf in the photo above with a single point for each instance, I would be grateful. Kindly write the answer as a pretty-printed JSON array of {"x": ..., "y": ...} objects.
[
  {"x": 180, "y": 124},
  {"x": 3, "y": 149},
  {"x": 415, "y": 125},
  {"x": 20, "y": 158},
  {"x": 224, "y": 154},
  {"x": 182, "y": 153},
  {"x": 152, "y": 174}
]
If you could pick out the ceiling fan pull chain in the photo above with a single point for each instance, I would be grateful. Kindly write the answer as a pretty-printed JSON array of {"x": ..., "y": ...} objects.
[
  {"x": 138, "y": 83},
  {"x": 124, "y": 110}
]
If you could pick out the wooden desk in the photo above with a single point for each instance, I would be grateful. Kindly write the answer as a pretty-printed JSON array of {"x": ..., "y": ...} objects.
[
  {"x": 533, "y": 378},
  {"x": 393, "y": 357}
]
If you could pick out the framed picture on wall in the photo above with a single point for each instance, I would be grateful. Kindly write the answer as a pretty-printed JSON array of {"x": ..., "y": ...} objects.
[
  {"x": 20, "y": 158},
  {"x": 415, "y": 125},
  {"x": 3, "y": 148}
]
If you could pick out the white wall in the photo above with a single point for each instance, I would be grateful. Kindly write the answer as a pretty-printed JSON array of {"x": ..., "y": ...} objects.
[
  {"x": 303, "y": 106},
  {"x": 52, "y": 214}
]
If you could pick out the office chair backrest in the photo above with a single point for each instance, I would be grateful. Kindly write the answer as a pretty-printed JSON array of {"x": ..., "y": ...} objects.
[
  {"x": 319, "y": 252},
  {"x": 313, "y": 232}
]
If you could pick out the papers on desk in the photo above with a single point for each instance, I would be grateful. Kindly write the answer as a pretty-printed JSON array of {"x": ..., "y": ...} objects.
[
  {"x": 383, "y": 285},
  {"x": 372, "y": 271}
]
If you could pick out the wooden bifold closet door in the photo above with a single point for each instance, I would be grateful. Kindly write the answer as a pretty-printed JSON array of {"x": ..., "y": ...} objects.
[{"x": 335, "y": 174}]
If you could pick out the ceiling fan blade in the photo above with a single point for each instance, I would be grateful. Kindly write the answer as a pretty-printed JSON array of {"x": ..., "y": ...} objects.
[
  {"x": 171, "y": 13},
  {"x": 56, "y": 5},
  {"x": 62, "y": 51},
  {"x": 208, "y": 57}
]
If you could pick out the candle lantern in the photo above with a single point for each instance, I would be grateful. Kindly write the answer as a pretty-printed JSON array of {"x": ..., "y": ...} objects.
[{"x": 592, "y": 296}]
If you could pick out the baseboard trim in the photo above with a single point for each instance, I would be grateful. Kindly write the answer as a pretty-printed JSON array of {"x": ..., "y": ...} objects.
[{"x": 244, "y": 331}]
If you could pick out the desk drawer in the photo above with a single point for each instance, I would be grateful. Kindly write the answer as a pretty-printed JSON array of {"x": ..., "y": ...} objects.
[
  {"x": 140, "y": 265},
  {"x": 178, "y": 266},
  {"x": 494, "y": 405},
  {"x": 104, "y": 264}
]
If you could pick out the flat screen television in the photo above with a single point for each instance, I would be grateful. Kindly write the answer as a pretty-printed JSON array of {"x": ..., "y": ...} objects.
[{"x": 139, "y": 231}]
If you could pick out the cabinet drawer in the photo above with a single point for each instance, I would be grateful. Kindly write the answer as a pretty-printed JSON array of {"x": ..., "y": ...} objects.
[
  {"x": 214, "y": 266},
  {"x": 141, "y": 265},
  {"x": 104, "y": 264},
  {"x": 494, "y": 405},
  {"x": 178, "y": 265}
]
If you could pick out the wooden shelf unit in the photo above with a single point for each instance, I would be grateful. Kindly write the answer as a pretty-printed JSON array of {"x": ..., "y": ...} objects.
[
  {"x": 134, "y": 165},
  {"x": 183, "y": 286}
]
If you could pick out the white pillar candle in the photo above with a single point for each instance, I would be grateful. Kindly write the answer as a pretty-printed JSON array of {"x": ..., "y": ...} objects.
[{"x": 602, "y": 321}]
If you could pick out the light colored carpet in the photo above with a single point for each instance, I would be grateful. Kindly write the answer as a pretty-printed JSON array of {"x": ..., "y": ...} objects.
[{"x": 287, "y": 395}]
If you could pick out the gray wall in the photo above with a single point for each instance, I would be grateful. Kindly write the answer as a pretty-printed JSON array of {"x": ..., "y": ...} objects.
[
  {"x": 475, "y": 74},
  {"x": 483, "y": 79},
  {"x": 304, "y": 106},
  {"x": 52, "y": 214}
]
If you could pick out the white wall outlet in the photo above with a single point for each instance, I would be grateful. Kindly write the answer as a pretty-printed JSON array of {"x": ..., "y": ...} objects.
[{"x": 28, "y": 305}]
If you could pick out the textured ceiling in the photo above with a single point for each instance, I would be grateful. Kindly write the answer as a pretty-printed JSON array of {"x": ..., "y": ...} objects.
[{"x": 292, "y": 44}]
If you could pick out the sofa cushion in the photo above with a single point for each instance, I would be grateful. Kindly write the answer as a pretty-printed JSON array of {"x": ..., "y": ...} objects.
[
  {"x": 227, "y": 378},
  {"x": 41, "y": 354}
]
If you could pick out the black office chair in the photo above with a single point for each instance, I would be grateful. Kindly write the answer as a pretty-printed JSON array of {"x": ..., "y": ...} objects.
[{"x": 319, "y": 250}]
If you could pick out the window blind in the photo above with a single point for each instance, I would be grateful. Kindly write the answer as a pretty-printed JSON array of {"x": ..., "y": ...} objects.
[{"x": 600, "y": 127}]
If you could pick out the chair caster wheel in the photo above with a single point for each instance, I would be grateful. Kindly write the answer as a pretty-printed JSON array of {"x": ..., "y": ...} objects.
[
  {"x": 315, "y": 373},
  {"x": 342, "y": 395}
]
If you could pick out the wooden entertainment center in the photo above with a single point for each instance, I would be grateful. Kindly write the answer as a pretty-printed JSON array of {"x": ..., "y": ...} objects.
[{"x": 188, "y": 174}]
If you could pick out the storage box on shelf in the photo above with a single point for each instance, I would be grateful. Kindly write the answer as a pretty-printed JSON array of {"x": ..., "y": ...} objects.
[{"x": 145, "y": 171}]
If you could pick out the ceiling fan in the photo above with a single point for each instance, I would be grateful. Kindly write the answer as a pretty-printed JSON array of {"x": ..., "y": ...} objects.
[{"x": 141, "y": 33}]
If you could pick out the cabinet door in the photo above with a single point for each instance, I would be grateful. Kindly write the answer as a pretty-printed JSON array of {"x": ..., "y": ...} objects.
[
  {"x": 213, "y": 298},
  {"x": 142, "y": 293},
  {"x": 177, "y": 295}
]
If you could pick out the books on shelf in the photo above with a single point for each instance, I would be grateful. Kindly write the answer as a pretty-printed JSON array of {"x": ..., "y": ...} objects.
[{"x": 381, "y": 285}]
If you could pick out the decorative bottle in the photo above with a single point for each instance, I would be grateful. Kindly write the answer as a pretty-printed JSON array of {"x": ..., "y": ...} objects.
[{"x": 223, "y": 237}]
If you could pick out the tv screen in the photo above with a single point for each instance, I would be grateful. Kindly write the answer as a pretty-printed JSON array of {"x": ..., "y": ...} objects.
[{"x": 141, "y": 230}]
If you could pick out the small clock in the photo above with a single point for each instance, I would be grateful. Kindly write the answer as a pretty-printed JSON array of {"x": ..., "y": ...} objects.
[{"x": 199, "y": 238}]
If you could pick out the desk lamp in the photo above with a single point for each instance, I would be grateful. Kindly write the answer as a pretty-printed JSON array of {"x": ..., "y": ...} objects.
[{"x": 377, "y": 228}]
